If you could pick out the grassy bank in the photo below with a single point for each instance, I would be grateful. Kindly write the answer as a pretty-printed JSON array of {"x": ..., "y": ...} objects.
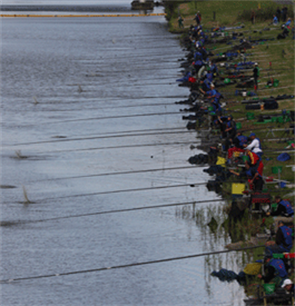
[
  {"x": 280, "y": 53},
  {"x": 276, "y": 62},
  {"x": 227, "y": 12}
]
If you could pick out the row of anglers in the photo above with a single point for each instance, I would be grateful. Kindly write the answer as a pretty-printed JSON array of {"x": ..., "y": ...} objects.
[{"x": 200, "y": 75}]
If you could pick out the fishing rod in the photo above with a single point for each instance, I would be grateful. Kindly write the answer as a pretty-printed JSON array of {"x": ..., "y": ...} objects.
[
  {"x": 123, "y": 191},
  {"x": 122, "y": 173},
  {"x": 9, "y": 223},
  {"x": 129, "y": 265},
  {"x": 104, "y": 99},
  {"x": 121, "y": 147},
  {"x": 104, "y": 108},
  {"x": 270, "y": 44},
  {"x": 99, "y": 137},
  {"x": 107, "y": 117}
]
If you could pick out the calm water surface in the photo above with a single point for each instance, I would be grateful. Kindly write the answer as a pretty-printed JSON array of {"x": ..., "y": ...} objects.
[{"x": 60, "y": 78}]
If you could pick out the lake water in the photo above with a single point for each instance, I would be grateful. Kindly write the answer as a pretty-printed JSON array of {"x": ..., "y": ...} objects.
[{"x": 68, "y": 85}]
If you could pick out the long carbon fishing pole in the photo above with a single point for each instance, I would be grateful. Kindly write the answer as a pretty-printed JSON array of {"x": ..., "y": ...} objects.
[
  {"x": 109, "y": 107},
  {"x": 121, "y": 147},
  {"x": 123, "y": 173},
  {"x": 100, "y": 137},
  {"x": 4, "y": 223},
  {"x": 122, "y": 191},
  {"x": 106, "y": 117},
  {"x": 129, "y": 265}
]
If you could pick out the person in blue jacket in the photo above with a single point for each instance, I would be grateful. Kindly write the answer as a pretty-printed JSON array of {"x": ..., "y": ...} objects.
[
  {"x": 287, "y": 24},
  {"x": 275, "y": 20},
  {"x": 240, "y": 140},
  {"x": 283, "y": 242},
  {"x": 275, "y": 271},
  {"x": 284, "y": 212}
]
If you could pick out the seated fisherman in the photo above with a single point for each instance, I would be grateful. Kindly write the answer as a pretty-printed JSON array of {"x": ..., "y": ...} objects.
[
  {"x": 284, "y": 212},
  {"x": 284, "y": 34},
  {"x": 230, "y": 131},
  {"x": 288, "y": 23},
  {"x": 288, "y": 285},
  {"x": 204, "y": 86},
  {"x": 230, "y": 127},
  {"x": 238, "y": 143},
  {"x": 275, "y": 271},
  {"x": 254, "y": 158},
  {"x": 254, "y": 176},
  {"x": 255, "y": 145},
  {"x": 283, "y": 242}
]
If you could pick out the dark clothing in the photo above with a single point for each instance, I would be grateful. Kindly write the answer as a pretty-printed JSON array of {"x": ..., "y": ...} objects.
[
  {"x": 291, "y": 291},
  {"x": 284, "y": 13},
  {"x": 274, "y": 268},
  {"x": 270, "y": 274},
  {"x": 283, "y": 210},
  {"x": 240, "y": 140},
  {"x": 278, "y": 14},
  {"x": 258, "y": 182},
  {"x": 256, "y": 75},
  {"x": 281, "y": 240},
  {"x": 197, "y": 18},
  {"x": 255, "y": 72},
  {"x": 284, "y": 241},
  {"x": 285, "y": 32}
]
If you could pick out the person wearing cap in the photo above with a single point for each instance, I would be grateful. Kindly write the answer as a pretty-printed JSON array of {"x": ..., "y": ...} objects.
[
  {"x": 275, "y": 271},
  {"x": 212, "y": 92},
  {"x": 283, "y": 242},
  {"x": 255, "y": 76},
  {"x": 284, "y": 34},
  {"x": 255, "y": 145},
  {"x": 288, "y": 285},
  {"x": 284, "y": 212}
]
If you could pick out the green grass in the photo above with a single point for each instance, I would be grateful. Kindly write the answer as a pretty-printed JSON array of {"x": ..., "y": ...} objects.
[
  {"x": 281, "y": 54},
  {"x": 226, "y": 12}
]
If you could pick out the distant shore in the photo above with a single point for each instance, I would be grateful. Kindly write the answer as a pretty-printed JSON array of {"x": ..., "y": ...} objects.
[{"x": 65, "y": 8}]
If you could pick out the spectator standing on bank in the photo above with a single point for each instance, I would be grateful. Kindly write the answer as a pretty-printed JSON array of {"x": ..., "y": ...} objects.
[
  {"x": 198, "y": 18},
  {"x": 253, "y": 17},
  {"x": 278, "y": 14},
  {"x": 284, "y": 13},
  {"x": 180, "y": 22},
  {"x": 256, "y": 75}
]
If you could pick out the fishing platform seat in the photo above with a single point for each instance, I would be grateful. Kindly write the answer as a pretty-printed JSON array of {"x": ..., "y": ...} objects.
[{"x": 258, "y": 200}]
